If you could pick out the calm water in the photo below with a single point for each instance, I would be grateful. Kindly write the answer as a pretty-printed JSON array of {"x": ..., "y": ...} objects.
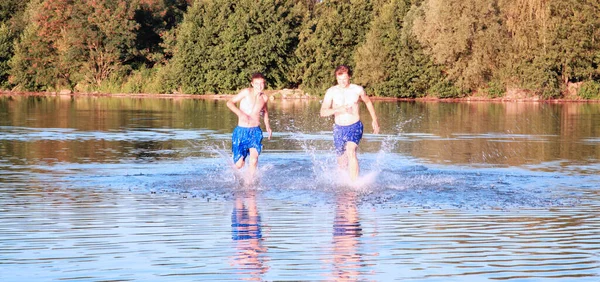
[{"x": 128, "y": 189}]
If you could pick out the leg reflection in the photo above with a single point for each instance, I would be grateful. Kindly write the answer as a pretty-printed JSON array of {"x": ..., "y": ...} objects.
[
  {"x": 347, "y": 231},
  {"x": 247, "y": 235}
]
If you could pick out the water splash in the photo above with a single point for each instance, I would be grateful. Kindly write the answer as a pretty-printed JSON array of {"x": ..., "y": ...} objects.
[{"x": 310, "y": 175}]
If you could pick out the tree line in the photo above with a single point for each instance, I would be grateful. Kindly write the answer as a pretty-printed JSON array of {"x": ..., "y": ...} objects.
[{"x": 397, "y": 48}]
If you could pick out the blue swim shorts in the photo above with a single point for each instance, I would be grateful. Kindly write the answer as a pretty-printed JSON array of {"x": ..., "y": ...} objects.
[
  {"x": 244, "y": 226},
  {"x": 243, "y": 139},
  {"x": 350, "y": 229},
  {"x": 344, "y": 134}
]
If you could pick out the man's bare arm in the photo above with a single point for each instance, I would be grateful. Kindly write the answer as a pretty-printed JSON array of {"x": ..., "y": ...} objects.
[
  {"x": 371, "y": 109},
  {"x": 266, "y": 117},
  {"x": 326, "y": 106}
]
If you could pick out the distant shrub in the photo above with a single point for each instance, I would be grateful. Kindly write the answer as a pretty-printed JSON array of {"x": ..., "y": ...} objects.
[
  {"x": 139, "y": 81},
  {"x": 163, "y": 80},
  {"x": 445, "y": 89},
  {"x": 495, "y": 89},
  {"x": 589, "y": 90},
  {"x": 111, "y": 85}
]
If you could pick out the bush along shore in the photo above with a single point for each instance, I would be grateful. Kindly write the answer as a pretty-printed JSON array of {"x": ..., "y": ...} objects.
[
  {"x": 297, "y": 94},
  {"x": 398, "y": 49}
]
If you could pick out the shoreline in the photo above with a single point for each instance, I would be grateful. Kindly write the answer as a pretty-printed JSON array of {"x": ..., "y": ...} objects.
[{"x": 288, "y": 94}]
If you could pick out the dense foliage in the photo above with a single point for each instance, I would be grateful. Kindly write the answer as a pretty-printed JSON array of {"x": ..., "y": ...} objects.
[
  {"x": 221, "y": 43},
  {"x": 398, "y": 48}
]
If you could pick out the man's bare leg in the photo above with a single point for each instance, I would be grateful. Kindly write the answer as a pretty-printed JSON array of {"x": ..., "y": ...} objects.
[
  {"x": 342, "y": 161},
  {"x": 237, "y": 166},
  {"x": 352, "y": 160},
  {"x": 252, "y": 165},
  {"x": 240, "y": 163}
]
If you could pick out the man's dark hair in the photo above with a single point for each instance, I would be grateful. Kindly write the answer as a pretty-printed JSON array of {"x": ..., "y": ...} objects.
[
  {"x": 257, "y": 75},
  {"x": 341, "y": 69}
]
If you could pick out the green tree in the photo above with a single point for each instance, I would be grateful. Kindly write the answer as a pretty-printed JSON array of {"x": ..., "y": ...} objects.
[
  {"x": 6, "y": 52},
  {"x": 11, "y": 26},
  {"x": 329, "y": 38},
  {"x": 32, "y": 67},
  {"x": 108, "y": 31},
  {"x": 391, "y": 62},
  {"x": 463, "y": 36},
  {"x": 68, "y": 41},
  {"x": 526, "y": 63},
  {"x": 11, "y": 8},
  {"x": 220, "y": 43},
  {"x": 574, "y": 41},
  {"x": 375, "y": 57},
  {"x": 156, "y": 19},
  {"x": 552, "y": 43}
]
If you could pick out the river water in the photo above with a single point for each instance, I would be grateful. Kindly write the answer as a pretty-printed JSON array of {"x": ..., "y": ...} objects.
[{"x": 141, "y": 189}]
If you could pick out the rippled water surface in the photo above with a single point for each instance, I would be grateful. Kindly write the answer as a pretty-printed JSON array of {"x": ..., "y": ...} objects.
[{"x": 130, "y": 189}]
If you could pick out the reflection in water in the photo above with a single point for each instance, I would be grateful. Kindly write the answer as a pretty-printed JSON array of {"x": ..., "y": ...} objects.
[
  {"x": 347, "y": 258},
  {"x": 247, "y": 234},
  {"x": 115, "y": 189},
  {"x": 104, "y": 129}
]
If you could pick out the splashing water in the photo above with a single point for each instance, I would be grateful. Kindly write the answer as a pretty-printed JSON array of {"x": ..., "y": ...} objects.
[{"x": 311, "y": 174}]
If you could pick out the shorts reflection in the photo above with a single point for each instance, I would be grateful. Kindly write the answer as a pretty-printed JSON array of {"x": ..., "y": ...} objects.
[
  {"x": 347, "y": 260},
  {"x": 247, "y": 234}
]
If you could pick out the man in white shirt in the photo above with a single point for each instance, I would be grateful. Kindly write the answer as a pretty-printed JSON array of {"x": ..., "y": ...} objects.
[{"x": 341, "y": 101}]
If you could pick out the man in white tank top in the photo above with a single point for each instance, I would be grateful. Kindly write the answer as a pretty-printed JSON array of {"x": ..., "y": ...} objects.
[
  {"x": 246, "y": 140},
  {"x": 341, "y": 101}
]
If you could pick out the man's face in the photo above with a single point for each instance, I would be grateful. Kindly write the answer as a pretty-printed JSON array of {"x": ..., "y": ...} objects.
[
  {"x": 343, "y": 80},
  {"x": 258, "y": 84}
]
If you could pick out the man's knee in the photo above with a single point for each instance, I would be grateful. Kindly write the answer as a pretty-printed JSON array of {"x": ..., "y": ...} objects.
[
  {"x": 351, "y": 150},
  {"x": 252, "y": 160},
  {"x": 240, "y": 163}
]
